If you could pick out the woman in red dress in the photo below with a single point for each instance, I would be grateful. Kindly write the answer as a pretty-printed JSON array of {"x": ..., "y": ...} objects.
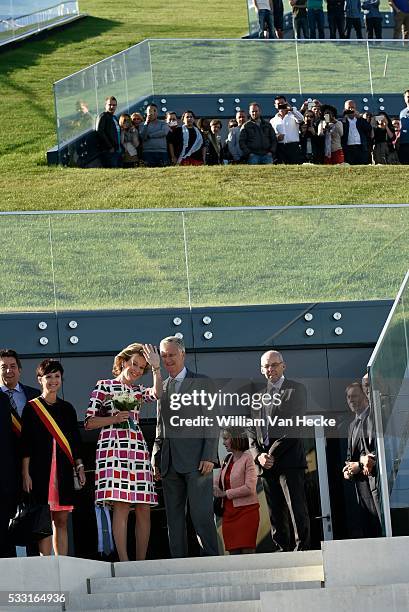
[{"x": 238, "y": 480}]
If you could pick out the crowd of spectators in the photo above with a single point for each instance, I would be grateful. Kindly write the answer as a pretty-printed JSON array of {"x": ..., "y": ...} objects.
[
  {"x": 313, "y": 134},
  {"x": 343, "y": 17}
]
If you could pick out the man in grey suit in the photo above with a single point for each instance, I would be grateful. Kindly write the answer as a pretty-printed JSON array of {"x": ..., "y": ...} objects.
[{"x": 184, "y": 456}]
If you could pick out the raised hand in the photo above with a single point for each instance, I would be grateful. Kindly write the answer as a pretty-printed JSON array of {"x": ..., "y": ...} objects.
[{"x": 151, "y": 354}]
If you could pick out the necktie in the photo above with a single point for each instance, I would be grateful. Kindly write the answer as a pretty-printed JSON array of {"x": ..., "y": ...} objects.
[
  {"x": 12, "y": 401},
  {"x": 356, "y": 434},
  {"x": 268, "y": 412},
  {"x": 171, "y": 386}
]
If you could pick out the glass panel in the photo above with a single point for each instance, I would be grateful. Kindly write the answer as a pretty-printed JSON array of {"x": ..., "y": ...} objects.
[
  {"x": 334, "y": 67},
  {"x": 390, "y": 385},
  {"x": 137, "y": 260},
  {"x": 253, "y": 18},
  {"x": 237, "y": 66},
  {"x": 26, "y": 268},
  {"x": 20, "y": 17},
  {"x": 110, "y": 80},
  {"x": 139, "y": 75},
  {"x": 76, "y": 105},
  {"x": 80, "y": 97},
  {"x": 292, "y": 256},
  {"x": 387, "y": 59},
  {"x": 119, "y": 260}
]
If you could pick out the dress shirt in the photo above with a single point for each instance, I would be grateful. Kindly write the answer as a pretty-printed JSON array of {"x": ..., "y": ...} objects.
[
  {"x": 263, "y": 5},
  {"x": 404, "y": 112},
  {"x": 289, "y": 125},
  {"x": 353, "y": 135},
  {"x": 19, "y": 396}
]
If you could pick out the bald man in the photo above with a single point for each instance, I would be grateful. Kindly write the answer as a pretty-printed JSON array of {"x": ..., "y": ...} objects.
[{"x": 280, "y": 456}]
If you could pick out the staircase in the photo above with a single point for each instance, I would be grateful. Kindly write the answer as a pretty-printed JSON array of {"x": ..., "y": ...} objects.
[{"x": 208, "y": 583}]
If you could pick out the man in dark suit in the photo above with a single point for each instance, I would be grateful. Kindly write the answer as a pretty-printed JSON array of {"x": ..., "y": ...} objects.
[
  {"x": 8, "y": 472},
  {"x": 356, "y": 137},
  {"x": 108, "y": 131},
  {"x": 184, "y": 456},
  {"x": 10, "y": 373},
  {"x": 280, "y": 455},
  {"x": 360, "y": 466},
  {"x": 13, "y": 397}
]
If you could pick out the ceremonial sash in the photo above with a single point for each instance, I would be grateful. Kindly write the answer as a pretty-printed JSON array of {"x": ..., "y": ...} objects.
[
  {"x": 52, "y": 427},
  {"x": 15, "y": 422}
]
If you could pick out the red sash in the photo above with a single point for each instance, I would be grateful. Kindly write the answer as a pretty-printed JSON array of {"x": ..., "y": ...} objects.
[
  {"x": 15, "y": 422},
  {"x": 52, "y": 427}
]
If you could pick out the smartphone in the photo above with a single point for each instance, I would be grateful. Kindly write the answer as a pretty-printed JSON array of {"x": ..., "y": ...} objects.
[{"x": 379, "y": 118}]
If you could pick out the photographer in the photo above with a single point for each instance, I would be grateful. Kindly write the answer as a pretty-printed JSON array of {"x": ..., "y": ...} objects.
[
  {"x": 384, "y": 135},
  {"x": 153, "y": 134},
  {"x": 331, "y": 130},
  {"x": 357, "y": 133},
  {"x": 309, "y": 140},
  {"x": 286, "y": 126}
]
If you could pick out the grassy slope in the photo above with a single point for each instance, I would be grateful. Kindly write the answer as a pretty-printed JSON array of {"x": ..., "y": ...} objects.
[{"x": 26, "y": 76}]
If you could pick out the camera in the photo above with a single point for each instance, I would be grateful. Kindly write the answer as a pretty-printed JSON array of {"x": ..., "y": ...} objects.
[{"x": 282, "y": 107}]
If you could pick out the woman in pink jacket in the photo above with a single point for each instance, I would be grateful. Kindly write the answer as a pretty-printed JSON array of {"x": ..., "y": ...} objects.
[{"x": 237, "y": 486}]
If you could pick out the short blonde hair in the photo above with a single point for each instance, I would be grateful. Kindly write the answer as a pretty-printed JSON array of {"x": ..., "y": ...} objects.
[{"x": 125, "y": 355}]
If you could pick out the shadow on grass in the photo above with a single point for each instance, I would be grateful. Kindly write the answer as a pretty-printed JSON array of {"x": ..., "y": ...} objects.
[{"x": 27, "y": 52}]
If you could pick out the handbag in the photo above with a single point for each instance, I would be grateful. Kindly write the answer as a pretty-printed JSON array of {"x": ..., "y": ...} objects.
[
  {"x": 31, "y": 523},
  {"x": 218, "y": 506},
  {"x": 218, "y": 502}
]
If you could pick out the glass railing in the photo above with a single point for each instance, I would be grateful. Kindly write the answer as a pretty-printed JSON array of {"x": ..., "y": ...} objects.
[
  {"x": 216, "y": 67},
  {"x": 81, "y": 97},
  {"x": 389, "y": 376},
  {"x": 18, "y": 18},
  {"x": 197, "y": 258}
]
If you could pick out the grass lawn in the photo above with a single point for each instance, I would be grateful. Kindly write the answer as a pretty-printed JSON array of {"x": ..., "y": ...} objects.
[{"x": 26, "y": 76}]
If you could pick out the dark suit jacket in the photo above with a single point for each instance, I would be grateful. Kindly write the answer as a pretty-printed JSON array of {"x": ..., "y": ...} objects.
[
  {"x": 30, "y": 392},
  {"x": 8, "y": 455},
  {"x": 107, "y": 132},
  {"x": 363, "y": 128},
  {"x": 287, "y": 449},
  {"x": 364, "y": 443},
  {"x": 184, "y": 447}
]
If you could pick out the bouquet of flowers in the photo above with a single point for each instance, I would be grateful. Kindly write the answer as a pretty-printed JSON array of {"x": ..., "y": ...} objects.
[{"x": 126, "y": 402}]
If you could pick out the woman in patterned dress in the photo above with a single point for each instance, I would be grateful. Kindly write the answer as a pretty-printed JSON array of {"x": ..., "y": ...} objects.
[{"x": 123, "y": 475}]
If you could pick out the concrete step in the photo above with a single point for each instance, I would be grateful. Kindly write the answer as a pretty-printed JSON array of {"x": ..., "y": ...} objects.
[
  {"x": 178, "y": 581},
  {"x": 226, "y": 606},
  {"x": 32, "y": 608},
  {"x": 196, "y": 595},
  {"x": 221, "y": 563},
  {"x": 376, "y": 598}
]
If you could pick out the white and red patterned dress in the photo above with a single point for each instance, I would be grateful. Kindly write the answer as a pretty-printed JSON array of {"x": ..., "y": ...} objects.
[{"x": 123, "y": 467}]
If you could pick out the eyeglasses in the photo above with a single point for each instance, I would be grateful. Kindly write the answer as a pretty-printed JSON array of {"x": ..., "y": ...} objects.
[{"x": 271, "y": 365}]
